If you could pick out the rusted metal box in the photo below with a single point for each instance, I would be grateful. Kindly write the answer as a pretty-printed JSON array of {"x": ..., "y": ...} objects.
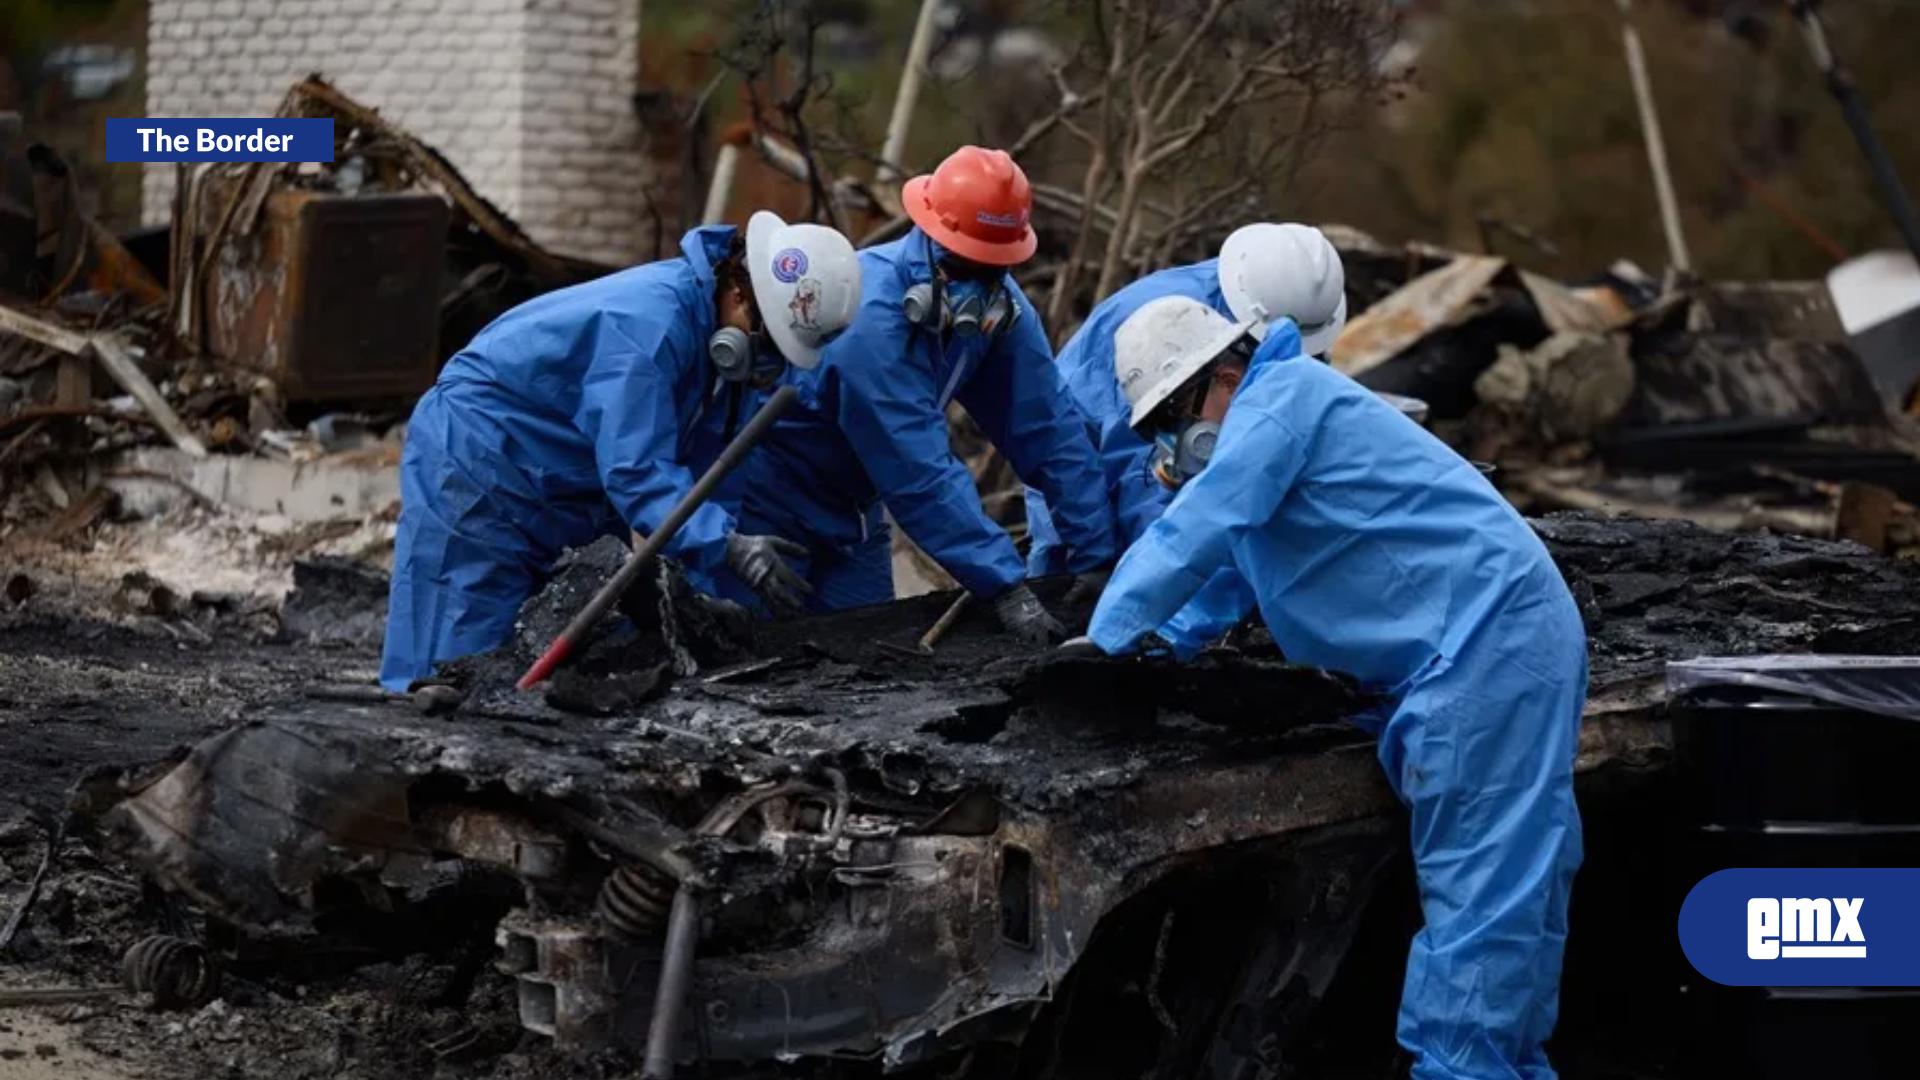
[{"x": 334, "y": 296}]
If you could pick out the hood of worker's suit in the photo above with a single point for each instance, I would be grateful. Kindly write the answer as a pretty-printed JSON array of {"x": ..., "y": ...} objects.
[
  {"x": 1282, "y": 344},
  {"x": 703, "y": 248}
]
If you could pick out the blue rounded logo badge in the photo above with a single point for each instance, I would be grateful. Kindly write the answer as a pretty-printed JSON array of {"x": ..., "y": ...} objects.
[
  {"x": 789, "y": 264},
  {"x": 1855, "y": 926}
]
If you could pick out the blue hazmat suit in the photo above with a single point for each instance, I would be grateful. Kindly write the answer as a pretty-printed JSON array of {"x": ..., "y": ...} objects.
[
  {"x": 1126, "y": 460},
  {"x": 873, "y": 432},
  {"x": 1086, "y": 368},
  {"x": 1374, "y": 549},
  {"x": 585, "y": 412}
]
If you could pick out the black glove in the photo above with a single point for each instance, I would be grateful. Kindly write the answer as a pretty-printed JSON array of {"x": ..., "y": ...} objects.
[
  {"x": 1023, "y": 616},
  {"x": 757, "y": 561},
  {"x": 1087, "y": 587}
]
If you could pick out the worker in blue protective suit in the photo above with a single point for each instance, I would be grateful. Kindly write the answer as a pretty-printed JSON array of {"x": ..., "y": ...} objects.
[
  {"x": 1085, "y": 363},
  {"x": 940, "y": 319},
  {"x": 1371, "y": 548},
  {"x": 591, "y": 411},
  {"x": 1265, "y": 273}
]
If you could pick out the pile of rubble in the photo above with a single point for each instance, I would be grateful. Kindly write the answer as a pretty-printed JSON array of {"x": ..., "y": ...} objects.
[
  {"x": 968, "y": 843},
  {"x": 1738, "y": 407},
  {"x": 232, "y": 389}
]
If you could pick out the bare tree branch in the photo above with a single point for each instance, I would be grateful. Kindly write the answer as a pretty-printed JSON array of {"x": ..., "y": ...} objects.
[
  {"x": 1177, "y": 63},
  {"x": 1070, "y": 103},
  {"x": 1094, "y": 185},
  {"x": 1224, "y": 102}
]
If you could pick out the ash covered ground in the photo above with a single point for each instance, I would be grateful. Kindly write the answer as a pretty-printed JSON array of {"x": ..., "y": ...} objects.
[{"x": 83, "y": 695}]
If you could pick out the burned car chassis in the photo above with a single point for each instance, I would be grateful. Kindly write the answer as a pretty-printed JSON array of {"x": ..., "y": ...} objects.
[
  {"x": 891, "y": 859},
  {"x": 871, "y": 908},
  {"x": 963, "y": 861}
]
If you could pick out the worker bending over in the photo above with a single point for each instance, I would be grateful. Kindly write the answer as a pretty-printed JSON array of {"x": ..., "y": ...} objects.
[
  {"x": 940, "y": 319},
  {"x": 1265, "y": 273},
  {"x": 1371, "y": 548},
  {"x": 591, "y": 411}
]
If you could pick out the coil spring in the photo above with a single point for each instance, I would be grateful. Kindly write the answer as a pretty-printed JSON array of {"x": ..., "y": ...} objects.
[
  {"x": 633, "y": 902},
  {"x": 175, "y": 971}
]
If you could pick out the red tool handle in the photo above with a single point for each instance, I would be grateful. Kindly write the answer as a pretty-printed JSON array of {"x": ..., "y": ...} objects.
[{"x": 543, "y": 667}]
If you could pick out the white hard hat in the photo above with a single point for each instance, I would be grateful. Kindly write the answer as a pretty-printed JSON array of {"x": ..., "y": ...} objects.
[
  {"x": 806, "y": 281},
  {"x": 1270, "y": 271},
  {"x": 1164, "y": 344}
]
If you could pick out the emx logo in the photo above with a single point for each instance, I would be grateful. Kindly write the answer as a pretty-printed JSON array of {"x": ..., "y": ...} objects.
[
  {"x": 1805, "y": 927},
  {"x": 1808, "y": 924}
]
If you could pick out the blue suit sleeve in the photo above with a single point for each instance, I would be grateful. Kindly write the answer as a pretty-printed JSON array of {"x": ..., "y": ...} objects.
[
  {"x": 1219, "y": 605},
  {"x": 1085, "y": 364},
  {"x": 627, "y": 409},
  {"x": 1240, "y": 491},
  {"x": 1045, "y": 553},
  {"x": 888, "y": 412},
  {"x": 1017, "y": 399},
  {"x": 1139, "y": 498}
]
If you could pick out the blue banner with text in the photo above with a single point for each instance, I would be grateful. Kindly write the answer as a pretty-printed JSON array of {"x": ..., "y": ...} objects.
[{"x": 219, "y": 139}]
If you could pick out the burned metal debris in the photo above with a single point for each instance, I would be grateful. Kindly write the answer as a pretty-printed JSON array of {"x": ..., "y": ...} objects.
[
  {"x": 283, "y": 291},
  {"x": 330, "y": 282},
  {"x": 1698, "y": 398},
  {"x": 883, "y": 853},
  {"x": 176, "y": 973},
  {"x": 900, "y": 858}
]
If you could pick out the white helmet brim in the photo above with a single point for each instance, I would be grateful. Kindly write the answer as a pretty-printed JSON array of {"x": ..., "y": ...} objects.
[
  {"x": 1319, "y": 339},
  {"x": 1191, "y": 362}
]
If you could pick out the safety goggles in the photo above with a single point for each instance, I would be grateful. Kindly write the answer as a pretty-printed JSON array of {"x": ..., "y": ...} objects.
[{"x": 1186, "y": 403}]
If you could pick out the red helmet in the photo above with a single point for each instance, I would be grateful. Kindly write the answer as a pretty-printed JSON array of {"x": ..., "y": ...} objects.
[{"x": 976, "y": 205}]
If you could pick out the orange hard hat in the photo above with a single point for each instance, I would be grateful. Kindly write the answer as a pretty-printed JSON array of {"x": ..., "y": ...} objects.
[{"x": 976, "y": 205}]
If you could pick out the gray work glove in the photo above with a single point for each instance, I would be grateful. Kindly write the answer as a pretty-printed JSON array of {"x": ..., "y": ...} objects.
[
  {"x": 1022, "y": 615},
  {"x": 757, "y": 561},
  {"x": 1087, "y": 587}
]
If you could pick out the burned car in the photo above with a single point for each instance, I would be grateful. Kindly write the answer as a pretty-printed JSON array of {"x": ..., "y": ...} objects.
[{"x": 811, "y": 845}]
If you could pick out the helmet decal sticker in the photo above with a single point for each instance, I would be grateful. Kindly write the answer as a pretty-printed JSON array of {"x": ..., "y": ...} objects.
[
  {"x": 804, "y": 307},
  {"x": 789, "y": 264}
]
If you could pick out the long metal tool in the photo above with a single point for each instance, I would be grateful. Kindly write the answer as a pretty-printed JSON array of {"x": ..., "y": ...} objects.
[
  {"x": 676, "y": 973},
  {"x": 614, "y": 589}
]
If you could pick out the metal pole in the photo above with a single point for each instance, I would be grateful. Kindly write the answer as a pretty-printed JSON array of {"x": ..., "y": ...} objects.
[
  {"x": 909, "y": 92},
  {"x": 1656, "y": 142},
  {"x": 670, "y": 997},
  {"x": 1854, "y": 108},
  {"x": 720, "y": 189},
  {"x": 614, "y": 589}
]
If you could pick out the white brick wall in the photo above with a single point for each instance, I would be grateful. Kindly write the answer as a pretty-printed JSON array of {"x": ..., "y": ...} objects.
[{"x": 530, "y": 98}]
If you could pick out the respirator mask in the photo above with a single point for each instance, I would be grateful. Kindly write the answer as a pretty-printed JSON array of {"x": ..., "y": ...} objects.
[
  {"x": 741, "y": 357},
  {"x": 1183, "y": 443},
  {"x": 967, "y": 304},
  {"x": 1180, "y": 454}
]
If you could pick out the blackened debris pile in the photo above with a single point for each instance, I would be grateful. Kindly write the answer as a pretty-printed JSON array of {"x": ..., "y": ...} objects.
[
  {"x": 943, "y": 834},
  {"x": 335, "y": 601},
  {"x": 664, "y": 629},
  {"x": 1658, "y": 591}
]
